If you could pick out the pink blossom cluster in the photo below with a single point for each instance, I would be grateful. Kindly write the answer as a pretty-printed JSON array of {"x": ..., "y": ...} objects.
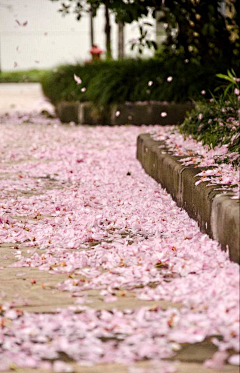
[{"x": 89, "y": 210}]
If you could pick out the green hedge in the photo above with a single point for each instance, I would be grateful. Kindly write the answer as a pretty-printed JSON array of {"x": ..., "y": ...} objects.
[
  {"x": 127, "y": 80},
  {"x": 24, "y": 76}
]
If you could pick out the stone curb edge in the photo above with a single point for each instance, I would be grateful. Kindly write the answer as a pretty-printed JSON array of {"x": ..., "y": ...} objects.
[
  {"x": 216, "y": 213},
  {"x": 136, "y": 113}
]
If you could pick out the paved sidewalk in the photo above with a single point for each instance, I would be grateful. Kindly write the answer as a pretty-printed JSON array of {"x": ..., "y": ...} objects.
[
  {"x": 99, "y": 266},
  {"x": 23, "y": 97}
]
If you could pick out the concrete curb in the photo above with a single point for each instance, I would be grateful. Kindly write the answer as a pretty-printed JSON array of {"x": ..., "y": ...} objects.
[
  {"x": 67, "y": 111},
  {"x": 216, "y": 213},
  {"x": 136, "y": 113},
  {"x": 139, "y": 113}
]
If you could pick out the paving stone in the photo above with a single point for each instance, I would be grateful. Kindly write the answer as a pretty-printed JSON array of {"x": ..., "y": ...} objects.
[{"x": 143, "y": 367}]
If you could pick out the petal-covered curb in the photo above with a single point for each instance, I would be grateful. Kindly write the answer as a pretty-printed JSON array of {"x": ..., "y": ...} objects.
[{"x": 214, "y": 210}]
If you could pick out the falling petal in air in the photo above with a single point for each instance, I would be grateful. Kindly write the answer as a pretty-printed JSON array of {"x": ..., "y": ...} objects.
[{"x": 77, "y": 79}]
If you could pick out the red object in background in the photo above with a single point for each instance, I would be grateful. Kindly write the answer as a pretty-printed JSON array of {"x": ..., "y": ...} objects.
[{"x": 95, "y": 52}]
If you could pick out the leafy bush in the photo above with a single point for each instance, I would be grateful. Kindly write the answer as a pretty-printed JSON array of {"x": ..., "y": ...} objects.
[
  {"x": 215, "y": 122},
  {"x": 109, "y": 82},
  {"x": 22, "y": 76},
  {"x": 59, "y": 84}
]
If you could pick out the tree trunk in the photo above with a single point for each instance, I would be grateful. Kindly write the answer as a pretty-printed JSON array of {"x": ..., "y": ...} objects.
[
  {"x": 108, "y": 32},
  {"x": 91, "y": 28},
  {"x": 120, "y": 39},
  {"x": 160, "y": 30}
]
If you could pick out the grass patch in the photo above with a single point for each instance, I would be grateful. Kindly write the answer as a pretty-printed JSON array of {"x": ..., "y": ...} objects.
[{"x": 25, "y": 76}]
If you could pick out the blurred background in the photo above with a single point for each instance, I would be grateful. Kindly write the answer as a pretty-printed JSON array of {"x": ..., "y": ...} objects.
[
  {"x": 109, "y": 53},
  {"x": 49, "y": 38}
]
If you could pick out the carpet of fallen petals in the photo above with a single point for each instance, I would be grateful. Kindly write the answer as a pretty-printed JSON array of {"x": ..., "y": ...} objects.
[
  {"x": 111, "y": 227},
  {"x": 194, "y": 153}
]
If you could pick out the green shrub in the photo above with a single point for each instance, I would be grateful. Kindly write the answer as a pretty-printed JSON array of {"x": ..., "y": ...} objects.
[
  {"x": 109, "y": 82},
  {"x": 215, "y": 122},
  {"x": 24, "y": 76},
  {"x": 59, "y": 84}
]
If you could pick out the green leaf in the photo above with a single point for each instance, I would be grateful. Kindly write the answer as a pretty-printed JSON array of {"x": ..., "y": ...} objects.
[
  {"x": 226, "y": 90},
  {"x": 154, "y": 44},
  {"x": 148, "y": 24},
  {"x": 225, "y": 77}
]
